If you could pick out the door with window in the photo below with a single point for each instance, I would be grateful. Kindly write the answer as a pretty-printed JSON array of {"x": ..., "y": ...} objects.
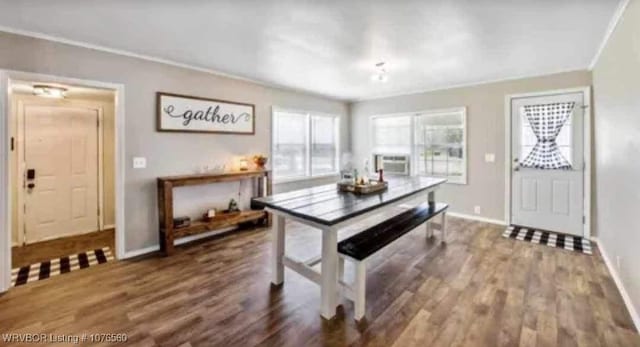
[
  {"x": 60, "y": 172},
  {"x": 547, "y": 157}
]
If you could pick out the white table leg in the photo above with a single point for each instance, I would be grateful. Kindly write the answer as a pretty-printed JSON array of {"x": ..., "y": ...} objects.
[
  {"x": 329, "y": 274},
  {"x": 432, "y": 200},
  {"x": 444, "y": 226},
  {"x": 360, "y": 290},
  {"x": 277, "y": 243}
]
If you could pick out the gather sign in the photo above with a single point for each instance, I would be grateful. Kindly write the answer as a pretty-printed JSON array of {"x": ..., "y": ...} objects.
[{"x": 183, "y": 113}]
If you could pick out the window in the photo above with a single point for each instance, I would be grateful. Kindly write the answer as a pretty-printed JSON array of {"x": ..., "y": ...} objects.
[
  {"x": 529, "y": 140},
  {"x": 440, "y": 144},
  {"x": 435, "y": 141},
  {"x": 304, "y": 144}
]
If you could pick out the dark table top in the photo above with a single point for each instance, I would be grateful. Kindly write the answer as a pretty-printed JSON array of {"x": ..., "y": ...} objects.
[{"x": 328, "y": 206}]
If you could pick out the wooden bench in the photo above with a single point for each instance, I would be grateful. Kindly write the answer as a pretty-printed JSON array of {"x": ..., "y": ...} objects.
[{"x": 361, "y": 246}]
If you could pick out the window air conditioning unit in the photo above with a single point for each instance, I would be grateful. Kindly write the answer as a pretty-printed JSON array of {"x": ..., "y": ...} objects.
[{"x": 393, "y": 164}]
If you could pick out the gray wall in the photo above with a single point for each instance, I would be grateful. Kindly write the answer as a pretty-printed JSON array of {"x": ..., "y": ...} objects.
[
  {"x": 166, "y": 153},
  {"x": 485, "y": 133},
  {"x": 616, "y": 83}
]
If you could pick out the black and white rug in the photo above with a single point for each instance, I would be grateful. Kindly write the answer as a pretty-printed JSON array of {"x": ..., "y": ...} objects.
[
  {"x": 55, "y": 267},
  {"x": 558, "y": 240}
]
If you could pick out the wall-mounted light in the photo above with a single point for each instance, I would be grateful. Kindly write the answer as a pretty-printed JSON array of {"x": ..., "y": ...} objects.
[
  {"x": 381, "y": 73},
  {"x": 49, "y": 91}
]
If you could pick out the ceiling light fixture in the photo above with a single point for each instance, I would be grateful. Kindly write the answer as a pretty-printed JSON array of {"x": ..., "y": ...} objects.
[
  {"x": 49, "y": 91},
  {"x": 381, "y": 73}
]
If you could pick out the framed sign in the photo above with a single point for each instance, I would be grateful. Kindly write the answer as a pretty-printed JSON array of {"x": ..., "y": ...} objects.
[{"x": 182, "y": 113}]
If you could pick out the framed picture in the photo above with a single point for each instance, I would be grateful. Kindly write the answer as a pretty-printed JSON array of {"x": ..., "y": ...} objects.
[{"x": 183, "y": 113}]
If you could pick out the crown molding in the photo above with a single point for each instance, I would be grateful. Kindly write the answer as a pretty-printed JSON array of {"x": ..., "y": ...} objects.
[
  {"x": 470, "y": 84},
  {"x": 169, "y": 62},
  {"x": 617, "y": 15}
]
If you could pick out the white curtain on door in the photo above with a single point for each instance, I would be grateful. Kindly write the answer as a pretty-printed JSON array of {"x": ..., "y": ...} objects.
[{"x": 546, "y": 122}]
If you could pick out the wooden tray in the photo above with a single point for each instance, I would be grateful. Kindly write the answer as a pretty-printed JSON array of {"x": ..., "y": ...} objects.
[{"x": 372, "y": 188}]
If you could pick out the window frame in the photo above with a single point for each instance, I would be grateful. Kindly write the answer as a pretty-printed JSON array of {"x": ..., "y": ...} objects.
[
  {"x": 308, "y": 115},
  {"x": 413, "y": 154}
]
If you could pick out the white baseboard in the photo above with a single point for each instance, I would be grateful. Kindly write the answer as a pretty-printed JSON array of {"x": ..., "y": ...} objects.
[
  {"x": 139, "y": 252},
  {"x": 151, "y": 249},
  {"x": 476, "y": 218},
  {"x": 616, "y": 278},
  {"x": 202, "y": 236}
]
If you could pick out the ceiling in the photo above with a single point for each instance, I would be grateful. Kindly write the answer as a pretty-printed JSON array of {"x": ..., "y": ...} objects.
[{"x": 331, "y": 47}]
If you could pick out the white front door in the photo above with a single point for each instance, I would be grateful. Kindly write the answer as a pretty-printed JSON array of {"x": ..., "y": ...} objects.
[
  {"x": 543, "y": 197},
  {"x": 61, "y": 171}
]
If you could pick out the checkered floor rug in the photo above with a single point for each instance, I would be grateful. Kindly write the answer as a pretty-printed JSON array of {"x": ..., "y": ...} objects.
[
  {"x": 55, "y": 267},
  {"x": 568, "y": 242}
]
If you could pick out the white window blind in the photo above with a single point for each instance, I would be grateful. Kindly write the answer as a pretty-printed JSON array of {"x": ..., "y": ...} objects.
[
  {"x": 392, "y": 134},
  {"x": 304, "y": 144},
  {"x": 290, "y": 144},
  {"x": 324, "y": 145}
]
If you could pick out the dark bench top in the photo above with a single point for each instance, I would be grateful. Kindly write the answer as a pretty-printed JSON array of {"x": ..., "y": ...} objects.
[
  {"x": 369, "y": 241},
  {"x": 327, "y": 206}
]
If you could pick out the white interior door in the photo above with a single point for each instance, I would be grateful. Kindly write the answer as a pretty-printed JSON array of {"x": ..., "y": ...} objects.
[
  {"x": 61, "y": 171},
  {"x": 544, "y": 198}
]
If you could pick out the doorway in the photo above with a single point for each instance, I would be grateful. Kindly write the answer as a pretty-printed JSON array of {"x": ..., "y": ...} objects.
[
  {"x": 63, "y": 188},
  {"x": 61, "y": 157},
  {"x": 548, "y": 140}
]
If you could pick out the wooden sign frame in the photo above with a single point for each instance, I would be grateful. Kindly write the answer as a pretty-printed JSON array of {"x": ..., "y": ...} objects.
[{"x": 216, "y": 111}]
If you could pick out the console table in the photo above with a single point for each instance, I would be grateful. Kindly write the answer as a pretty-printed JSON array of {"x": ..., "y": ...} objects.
[{"x": 261, "y": 187}]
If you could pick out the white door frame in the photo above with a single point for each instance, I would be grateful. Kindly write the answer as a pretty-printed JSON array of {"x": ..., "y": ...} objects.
[
  {"x": 586, "y": 92},
  {"x": 5, "y": 178},
  {"x": 20, "y": 114}
]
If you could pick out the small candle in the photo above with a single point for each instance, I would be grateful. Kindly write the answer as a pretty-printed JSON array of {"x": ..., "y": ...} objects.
[{"x": 244, "y": 164}]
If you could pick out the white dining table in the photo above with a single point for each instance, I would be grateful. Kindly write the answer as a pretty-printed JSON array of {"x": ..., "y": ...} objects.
[{"x": 329, "y": 210}]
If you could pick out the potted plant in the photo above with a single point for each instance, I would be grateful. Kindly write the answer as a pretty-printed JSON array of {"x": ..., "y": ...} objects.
[{"x": 260, "y": 160}]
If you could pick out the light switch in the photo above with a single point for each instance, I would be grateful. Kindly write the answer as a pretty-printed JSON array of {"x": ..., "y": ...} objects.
[
  {"x": 489, "y": 157},
  {"x": 139, "y": 162}
]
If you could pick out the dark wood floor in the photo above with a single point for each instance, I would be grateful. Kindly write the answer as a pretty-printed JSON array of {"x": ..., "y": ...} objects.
[
  {"x": 478, "y": 290},
  {"x": 62, "y": 247}
]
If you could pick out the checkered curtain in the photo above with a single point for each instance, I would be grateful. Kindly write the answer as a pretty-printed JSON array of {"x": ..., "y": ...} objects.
[{"x": 546, "y": 122}]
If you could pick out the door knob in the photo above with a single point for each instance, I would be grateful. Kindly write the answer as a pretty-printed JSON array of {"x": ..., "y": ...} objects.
[{"x": 31, "y": 185}]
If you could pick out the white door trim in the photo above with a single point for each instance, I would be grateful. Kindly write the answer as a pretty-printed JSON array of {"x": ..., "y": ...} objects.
[
  {"x": 586, "y": 91},
  {"x": 5, "y": 206},
  {"x": 20, "y": 155}
]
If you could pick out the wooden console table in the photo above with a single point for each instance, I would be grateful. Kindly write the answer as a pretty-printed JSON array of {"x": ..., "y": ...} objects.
[{"x": 262, "y": 187}]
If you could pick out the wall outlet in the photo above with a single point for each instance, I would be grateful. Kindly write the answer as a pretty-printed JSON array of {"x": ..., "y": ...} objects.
[
  {"x": 139, "y": 162},
  {"x": 477, "y": 210},
  {"x": 490, "y": 157}
]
